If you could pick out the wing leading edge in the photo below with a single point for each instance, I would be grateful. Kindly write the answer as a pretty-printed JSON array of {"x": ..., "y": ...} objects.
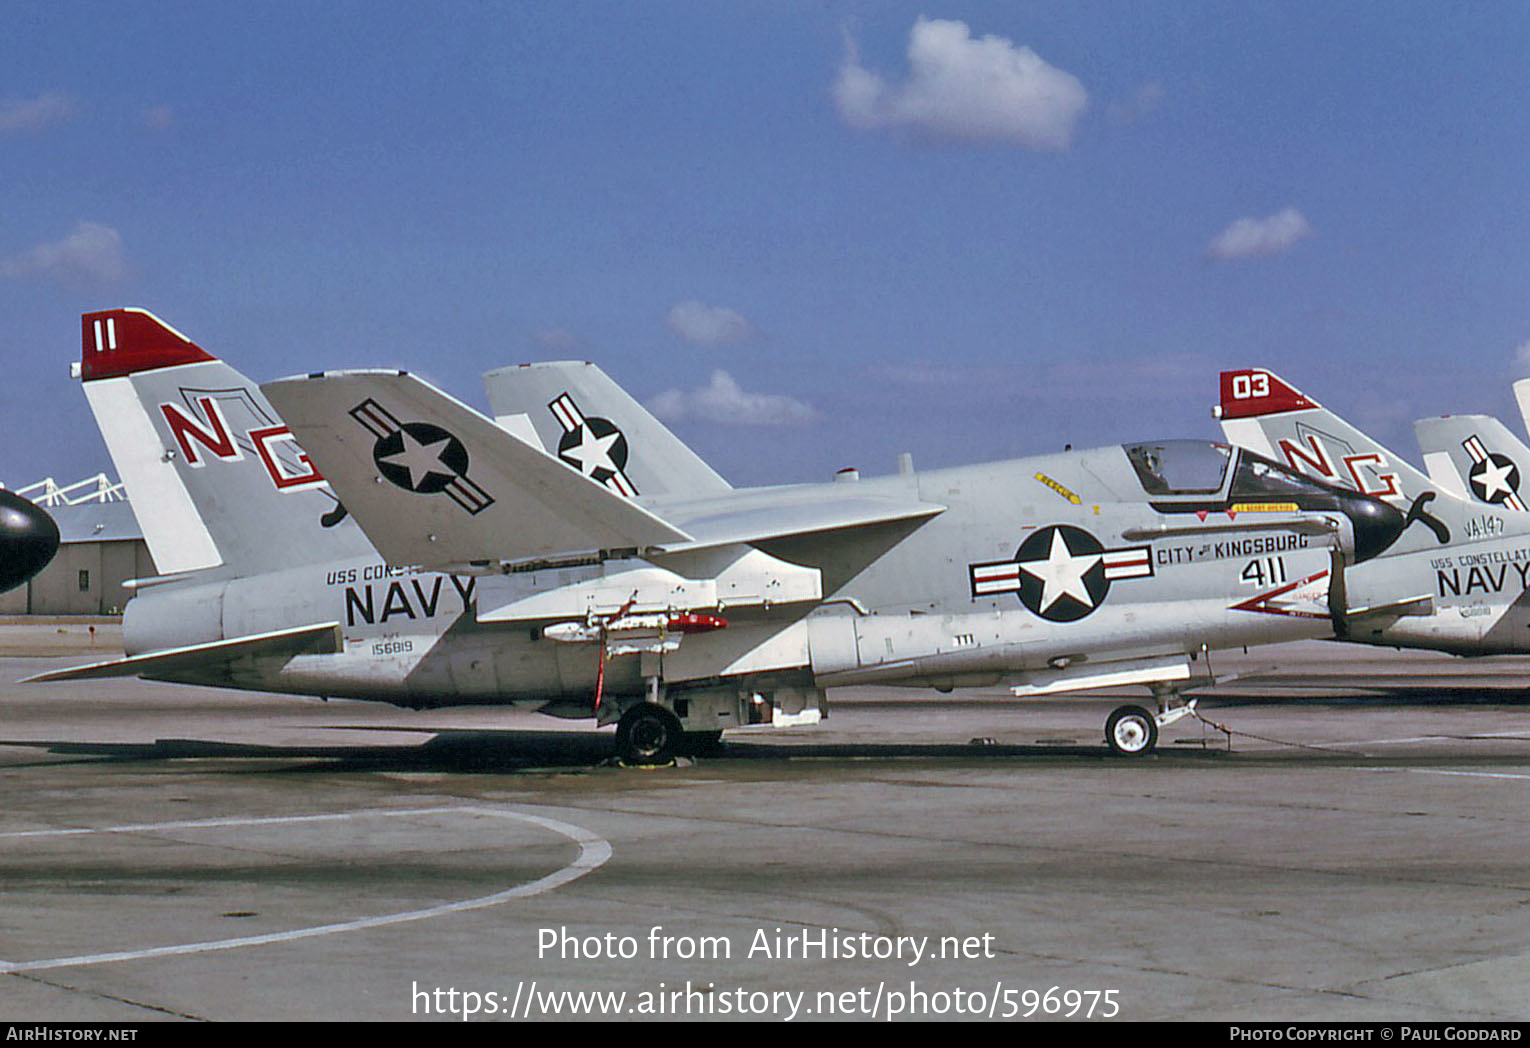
[{"x": 435, "y": 484}]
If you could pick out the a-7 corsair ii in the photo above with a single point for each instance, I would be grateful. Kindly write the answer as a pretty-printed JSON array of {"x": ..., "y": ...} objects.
[{"x": 370, "y": 537}]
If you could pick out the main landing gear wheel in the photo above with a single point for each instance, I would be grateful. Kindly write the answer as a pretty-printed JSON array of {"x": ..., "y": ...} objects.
[
  {"x": 648, "y": 734},
  {"x": 1131, "y": 731}
]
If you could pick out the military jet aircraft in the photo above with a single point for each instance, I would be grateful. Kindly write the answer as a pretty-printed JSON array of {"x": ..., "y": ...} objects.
[
  {"x": 364, "y": 535},
  {"x": 28, "y": 540},
  {"x": 1458, "y": 578}
]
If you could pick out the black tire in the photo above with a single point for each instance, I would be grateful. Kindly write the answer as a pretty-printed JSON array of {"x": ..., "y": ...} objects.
[
  {"x": 648, "y": 734},
  {"x": 1131, "y": 731}
]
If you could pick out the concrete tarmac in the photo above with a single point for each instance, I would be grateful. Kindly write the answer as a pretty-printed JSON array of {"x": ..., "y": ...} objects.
[{"x": 1358, "y": 850}]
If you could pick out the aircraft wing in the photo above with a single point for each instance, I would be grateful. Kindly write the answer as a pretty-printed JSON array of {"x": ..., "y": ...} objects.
[
  {"x": 320, "y": 639},
  {"x": 772, "y": 513},
  {"x": 435, "y": 484}
]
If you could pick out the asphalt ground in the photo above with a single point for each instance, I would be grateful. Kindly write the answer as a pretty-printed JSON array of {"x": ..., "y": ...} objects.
[{"x": 1357, "y": 849}]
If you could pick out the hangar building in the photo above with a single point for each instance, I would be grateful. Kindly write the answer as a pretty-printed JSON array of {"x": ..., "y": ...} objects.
[{"x": 100, "y": 548}]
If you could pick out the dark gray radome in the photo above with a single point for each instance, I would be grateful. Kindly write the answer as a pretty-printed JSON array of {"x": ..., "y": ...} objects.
[{"x": 28, "y": 540}]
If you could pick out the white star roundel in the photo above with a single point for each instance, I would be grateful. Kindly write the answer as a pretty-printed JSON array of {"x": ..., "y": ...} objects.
[
  {"x": 1060, "y": 572},
  {"x": 420, "y": 457},
  {"x": 1495, "y": 478},
  {"x": 594, "y": 446}
]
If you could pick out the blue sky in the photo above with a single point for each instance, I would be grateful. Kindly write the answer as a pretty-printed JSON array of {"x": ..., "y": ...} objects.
[{"x": 811, "y": 235}]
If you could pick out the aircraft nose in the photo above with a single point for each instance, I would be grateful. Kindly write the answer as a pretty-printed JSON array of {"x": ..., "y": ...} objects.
[
  {"x": 1377, "y": 525},
  {"x": 28, "y": 540}
]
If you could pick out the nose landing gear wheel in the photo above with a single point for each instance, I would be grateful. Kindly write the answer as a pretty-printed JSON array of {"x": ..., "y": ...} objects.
[
  {"x": 648, "y": 734},
  {"x": 1131, "y": 731}
]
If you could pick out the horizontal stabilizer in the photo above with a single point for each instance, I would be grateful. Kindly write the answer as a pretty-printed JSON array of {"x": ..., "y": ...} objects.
[
  {"x": 1408, "y": 607},
  {"x": 321, "y": 639},
  {"x": 435, "y": 484}
]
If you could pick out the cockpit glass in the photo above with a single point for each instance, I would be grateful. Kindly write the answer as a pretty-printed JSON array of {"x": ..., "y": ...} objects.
[
  {"x": 1180, "y": 467},
  {"x": 1257, "y": 475}
]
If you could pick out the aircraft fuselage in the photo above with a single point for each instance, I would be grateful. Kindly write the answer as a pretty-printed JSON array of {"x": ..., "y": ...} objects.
[{"x": 1013, "y": 578}]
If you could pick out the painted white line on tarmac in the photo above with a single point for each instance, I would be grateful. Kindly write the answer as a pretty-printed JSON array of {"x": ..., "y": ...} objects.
[
  {"x": 594, "y": 851},
  {"x": 1481, "y": 735},
  {"x": 1458, "y": 774}
]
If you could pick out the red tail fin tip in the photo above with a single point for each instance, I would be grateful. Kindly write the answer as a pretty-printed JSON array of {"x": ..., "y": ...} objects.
[
  {"x": 1255, "y": 391},
  {"x": 116, "y": 342}
]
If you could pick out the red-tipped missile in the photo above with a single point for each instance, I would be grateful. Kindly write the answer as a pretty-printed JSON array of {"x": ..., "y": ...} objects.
[
  {"x": 660, "y": 622},
  {"x": 694, "y": 622}
]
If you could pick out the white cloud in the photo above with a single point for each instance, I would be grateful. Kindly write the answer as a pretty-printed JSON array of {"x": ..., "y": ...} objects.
[
  {"x": 1260, "y": 237},
  {"x": 90, "y": 250},
  {"x": 30, "y": 114},
  {"x": 965, "y": 89},
  {"x": 1522, "y": 355},
  {"x": 708, "y": 325},
  {"x": 724, "y": 402}
]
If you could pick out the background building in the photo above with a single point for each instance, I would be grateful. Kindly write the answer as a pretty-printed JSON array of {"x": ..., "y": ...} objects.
[{"x": 100, "y": 548}]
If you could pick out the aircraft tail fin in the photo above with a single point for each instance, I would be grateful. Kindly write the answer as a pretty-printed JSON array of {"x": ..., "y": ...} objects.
[
  {"x": 1522, "y": 398},
  {"x": 576, "y": 412},
  {"x": 435, "y": 484},
  {"x": 1475, "y": 457},
  {"x": 1264, "y": 413},
  {"x": 213, "y": 474}
]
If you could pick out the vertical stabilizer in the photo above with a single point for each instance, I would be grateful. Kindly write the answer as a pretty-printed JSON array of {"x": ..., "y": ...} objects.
[
  {"x": 1522, "y": 398},
  {"x": 1476, "y": 457},
  {"x": 1264, "y": 413},
  {"x": 575, "y": 411},
  {"x": 213, "y": 474}
]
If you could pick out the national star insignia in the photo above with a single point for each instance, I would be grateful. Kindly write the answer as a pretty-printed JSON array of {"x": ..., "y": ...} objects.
[
  {"x": 1493, "y": 477},
  {"x": 593, "y": 453},
  {"x": 420, "y": 459},
  {"x": 1062, "y": 573}
]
